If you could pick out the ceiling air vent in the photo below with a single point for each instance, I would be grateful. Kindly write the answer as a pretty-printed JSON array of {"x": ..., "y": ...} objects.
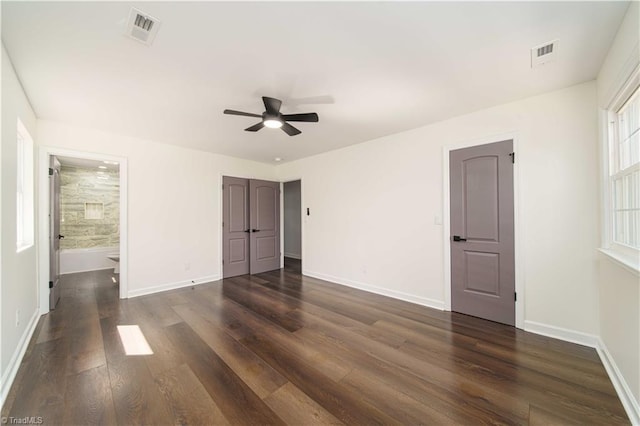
[
  {"x": 141, "y": 26},
  {"x": 544, "y": 53}
]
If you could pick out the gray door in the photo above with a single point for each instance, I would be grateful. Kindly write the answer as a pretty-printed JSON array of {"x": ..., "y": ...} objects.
[
  {"x": 482, "y": 235},
  {"x": 54, "y": 232},
  {"x": 264, "y": 205},
  {"x": 235, "y": 226}
]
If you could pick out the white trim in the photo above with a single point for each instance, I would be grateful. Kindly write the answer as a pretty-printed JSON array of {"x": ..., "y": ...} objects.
[
  {"x": 630, "y": 404},
  {"x": 517, "y": 222},
  {"x": 12, "y": 369},
  {"x": 172, "y": 286},
  {"x": 302, "y": 220},
  {"x": 424, "y": 301},
  {"x": 630, "y": 264},
  {"x": 560, "y": 333},
  {"x": 623, "y": 390},
  {"x": 43, "y": 218}
]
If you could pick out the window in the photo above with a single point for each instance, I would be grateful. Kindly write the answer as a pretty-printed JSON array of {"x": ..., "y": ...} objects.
[
  {"x": 24, "y": 189},
  {"x": 625, "y": 173}
]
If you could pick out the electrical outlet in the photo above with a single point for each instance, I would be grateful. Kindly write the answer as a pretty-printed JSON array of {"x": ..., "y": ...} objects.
[{"x": 17, "y": 317}]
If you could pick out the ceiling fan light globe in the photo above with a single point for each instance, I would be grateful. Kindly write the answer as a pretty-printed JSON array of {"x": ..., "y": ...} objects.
[{"x": 273, "y": 123}]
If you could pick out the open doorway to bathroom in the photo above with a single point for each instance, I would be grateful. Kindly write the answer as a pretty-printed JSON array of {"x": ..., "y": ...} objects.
[
  {"x": 84, "y": 232},
  {"x": 292, "y": 225},
  {"x": 82, "y": 220}
]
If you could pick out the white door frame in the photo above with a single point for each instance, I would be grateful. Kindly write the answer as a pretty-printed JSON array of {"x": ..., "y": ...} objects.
[
  {"x": 43, "y": 218},
  {"x": 302, "y": 216},
  {"x": 517, "y": 223}
]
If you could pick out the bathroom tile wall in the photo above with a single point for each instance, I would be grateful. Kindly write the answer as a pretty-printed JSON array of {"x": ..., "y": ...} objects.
[{"x": 79, "y": 186}]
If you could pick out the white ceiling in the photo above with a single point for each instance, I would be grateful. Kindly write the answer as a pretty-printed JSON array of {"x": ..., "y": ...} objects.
[{"x": 369, "y": 69}]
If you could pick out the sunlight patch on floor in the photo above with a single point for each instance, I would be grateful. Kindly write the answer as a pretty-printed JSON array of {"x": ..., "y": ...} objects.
[{"x": 133, "y": 340}]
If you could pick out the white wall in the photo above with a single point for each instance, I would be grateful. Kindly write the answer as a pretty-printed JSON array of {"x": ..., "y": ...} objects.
[
  {"x": 619, "y": 289},
  {"x": 18, "y": 270},
  {"x": 174, "y": 199},
  {"x": 374, "y": 205},
  {"x": 292, "y": 224}
]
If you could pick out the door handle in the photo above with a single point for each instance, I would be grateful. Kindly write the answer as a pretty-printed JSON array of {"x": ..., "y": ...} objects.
[
  {"x": 60, "y": 237},
  {"x": 247, "y": 230},
  {"x": 457, "y": 238},
  {"x": 255, "y": 230}
]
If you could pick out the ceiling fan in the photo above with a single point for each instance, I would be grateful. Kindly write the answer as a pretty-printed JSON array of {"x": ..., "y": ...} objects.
[{"x": 272, "y": 118}]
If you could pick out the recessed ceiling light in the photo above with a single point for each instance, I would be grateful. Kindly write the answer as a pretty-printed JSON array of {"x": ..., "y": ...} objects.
[
  {"x": 277, "y": 159},
  {"x": 102, "y": 167},
  {"x": 100, "y": 173},
  {"x": 115, "y": 163}
]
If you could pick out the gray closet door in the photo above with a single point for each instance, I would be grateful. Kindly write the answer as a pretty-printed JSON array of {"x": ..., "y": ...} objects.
[
  {"x": 264, "y": 204},
  {"x": 235, "y": 228},
  {"x": 482, "y": 232}
]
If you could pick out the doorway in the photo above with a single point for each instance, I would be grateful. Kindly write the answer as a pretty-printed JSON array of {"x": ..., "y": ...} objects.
[
  {"x": 292, "y": 202},
  {"x": 482, "y": 231},
  {"x": 89, "y": 230},
  {"x": 250, "y": 226}
]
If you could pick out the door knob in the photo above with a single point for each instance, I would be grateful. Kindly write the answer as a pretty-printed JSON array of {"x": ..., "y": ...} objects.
[
  {"x": 60, "y": 237},
  {"x": 255, "y": 230},
  {"x": 457, "y": 238},
  {"x": 247, "y": 230}
]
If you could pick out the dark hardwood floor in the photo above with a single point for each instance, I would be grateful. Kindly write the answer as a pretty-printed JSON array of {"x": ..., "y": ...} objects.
[{"x": 280, "y": 348}]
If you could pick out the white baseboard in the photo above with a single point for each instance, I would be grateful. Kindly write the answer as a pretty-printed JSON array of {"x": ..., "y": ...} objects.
[
  {"x": 627, "y": 399},
  {"x": 431, "y": 303},
  {"x": 560, "y": 333},
  {"x": 12, "y": 369},
  {"x": 172, "y": 286},
  {"x": 629, "y": 403},
  {"x": 293, "y": 255}
]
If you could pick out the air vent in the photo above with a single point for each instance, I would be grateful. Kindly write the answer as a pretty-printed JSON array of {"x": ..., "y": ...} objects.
[
  {"x": 142, "y": 26},
  {"x": 544, "y": 53}
]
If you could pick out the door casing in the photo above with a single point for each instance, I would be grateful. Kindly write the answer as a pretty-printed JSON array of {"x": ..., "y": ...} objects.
[
  {"x": 42, "y": 175},
  {"x": 446, "y": 221}
]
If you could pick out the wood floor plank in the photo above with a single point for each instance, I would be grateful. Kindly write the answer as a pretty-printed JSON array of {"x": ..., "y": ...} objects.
[
  {"x": 280, "y": 347},
  {"x": 238, "y": 403},
  {"x": 88, "y": 399},
  {"x": 187, "y": 398},
  {"x": 257, "y": 374},
  {"x": 296, "y": 408},
  {"x": 333, "y": 397}
]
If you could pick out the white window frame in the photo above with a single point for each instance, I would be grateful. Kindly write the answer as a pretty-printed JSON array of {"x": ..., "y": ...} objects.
[
  {"x": 25, "y": 226},
  {"x": 626, "y": 256}
]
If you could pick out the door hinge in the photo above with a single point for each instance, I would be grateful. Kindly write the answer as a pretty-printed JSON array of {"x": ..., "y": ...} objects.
[
  {"x": 50, "y": 171},
  {"x": 223, "y": 261},
  {"x": 513, "y": 157},
  {"x": 223, "y": 224},
  {"x": 223, "y": 186},
  {"x": 50, "y": 282},
  {"x": 515, "y": 296}
]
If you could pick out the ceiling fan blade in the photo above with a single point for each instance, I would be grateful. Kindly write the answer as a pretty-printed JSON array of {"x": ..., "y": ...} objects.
[
  {"x": 310, "y": 117},
  {"x": 246, "y": 114},
  {"x": 255, "y": 127},
  {"x": 271, "y": 105},
  {"x": 290, "y": 130}
]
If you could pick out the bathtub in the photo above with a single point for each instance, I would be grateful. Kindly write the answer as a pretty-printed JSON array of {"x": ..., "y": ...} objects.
[{"x": 89, "y": 259}]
